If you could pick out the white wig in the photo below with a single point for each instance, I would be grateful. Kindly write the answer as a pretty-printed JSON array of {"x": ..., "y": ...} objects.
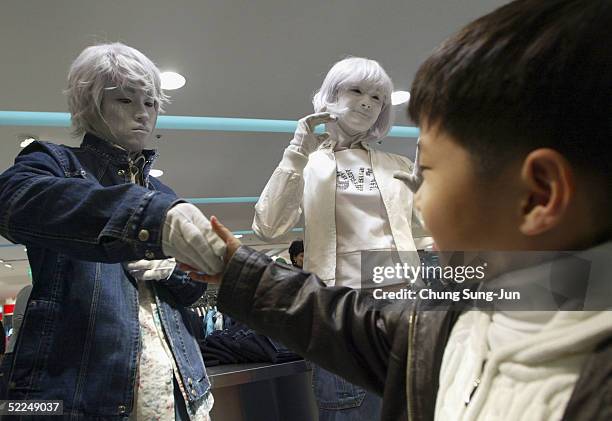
[
  {"x": 354, "y": 70},
  {"x": 108, "y": 66}
]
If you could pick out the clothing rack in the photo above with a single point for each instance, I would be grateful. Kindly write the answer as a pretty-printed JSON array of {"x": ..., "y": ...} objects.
[{"x": 207, "y": 300}]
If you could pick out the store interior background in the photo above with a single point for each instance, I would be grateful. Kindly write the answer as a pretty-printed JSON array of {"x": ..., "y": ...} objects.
[{"x": 246, "y": 59}]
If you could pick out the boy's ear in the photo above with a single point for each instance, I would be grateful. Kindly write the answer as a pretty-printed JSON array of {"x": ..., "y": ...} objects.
[{"x": 550, "y": 187}]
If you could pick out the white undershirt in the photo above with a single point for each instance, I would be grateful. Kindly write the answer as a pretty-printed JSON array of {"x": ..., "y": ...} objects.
[{"x": 361, "y": 219}]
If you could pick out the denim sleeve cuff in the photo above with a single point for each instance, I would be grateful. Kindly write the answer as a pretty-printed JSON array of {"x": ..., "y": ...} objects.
[
  {"x": 240, "y": 281},
  {"x": 143, "y": 231}
]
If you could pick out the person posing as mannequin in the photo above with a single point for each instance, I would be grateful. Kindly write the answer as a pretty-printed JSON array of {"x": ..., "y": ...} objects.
[
  {"x": 104, "y": 328},
  {"x": 350, "y": 200}
]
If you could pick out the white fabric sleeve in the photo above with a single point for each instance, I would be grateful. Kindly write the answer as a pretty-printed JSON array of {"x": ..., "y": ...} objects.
[
  {"x": 279, "y": 206},
  {"x": 188, "y": 236}
]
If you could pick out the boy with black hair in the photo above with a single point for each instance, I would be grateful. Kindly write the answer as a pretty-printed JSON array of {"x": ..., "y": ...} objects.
[
  {"x": 296, "y": 253},
  {"x": 514, "y": 113}
]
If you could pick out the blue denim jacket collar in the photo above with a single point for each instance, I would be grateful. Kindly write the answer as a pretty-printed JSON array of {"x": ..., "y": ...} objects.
[{"x": 115, "y": 154}]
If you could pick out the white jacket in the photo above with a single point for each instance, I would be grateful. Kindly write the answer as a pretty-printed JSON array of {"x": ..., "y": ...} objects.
[{"x": 308, "y": 184}]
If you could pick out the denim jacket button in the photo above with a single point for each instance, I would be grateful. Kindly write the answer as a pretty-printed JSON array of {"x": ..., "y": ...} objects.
[
  {"x": 149, "y": 255},
  {"x": 193, "y": 392},
  {"x": 121, "y": 409},
  {"x": 143, "y": 235},
  {"x": 121, "y": 173},
  {"x": 189, "y": 380}
]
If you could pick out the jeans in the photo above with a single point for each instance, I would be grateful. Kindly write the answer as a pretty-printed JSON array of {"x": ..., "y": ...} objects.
[{"x": 339, "y": 400}]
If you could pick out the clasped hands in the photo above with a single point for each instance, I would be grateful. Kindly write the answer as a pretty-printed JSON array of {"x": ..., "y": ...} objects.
[
  {"x": 199, "y": 246},
  {"x": 232, "y": 244}
]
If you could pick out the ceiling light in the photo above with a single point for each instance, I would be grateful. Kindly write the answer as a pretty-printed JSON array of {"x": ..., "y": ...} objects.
[
  {"x": 156, "y": 173},
  {"x": 8, "y": 265},
  {"x": 25, "y": 142},
  {"x": 238, "y": 235},
  {"x": 172, "y": 80},
  {"x": 399, "y": 97}
]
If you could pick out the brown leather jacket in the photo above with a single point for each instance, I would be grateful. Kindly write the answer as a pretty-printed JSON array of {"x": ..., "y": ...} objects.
[{"x": 392, "y": 349}]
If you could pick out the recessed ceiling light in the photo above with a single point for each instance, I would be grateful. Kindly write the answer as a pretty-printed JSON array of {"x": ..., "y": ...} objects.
[
  {"x": 8, "y": 265},
  {"x": 156, "y": 173},
  {"x": 399, "y": 97},
  {"x": 25, "y": 142},
  {"x": 238, "y": 235},
  {"x": 172, "y": 80}
]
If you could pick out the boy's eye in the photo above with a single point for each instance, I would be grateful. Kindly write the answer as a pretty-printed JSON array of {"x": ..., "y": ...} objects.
[
  {"x": 376, "y": 97},
  {"x": 150, "y": 104},
  {"x": 124, "y": 100},
  {"x": 355, "y": 90}
]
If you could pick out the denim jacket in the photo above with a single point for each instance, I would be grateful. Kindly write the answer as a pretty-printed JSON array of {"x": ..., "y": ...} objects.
[{"x": 80, "y": 216}]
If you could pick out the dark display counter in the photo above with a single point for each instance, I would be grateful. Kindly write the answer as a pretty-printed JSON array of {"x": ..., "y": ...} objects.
[{"x": 263, "y": 392}]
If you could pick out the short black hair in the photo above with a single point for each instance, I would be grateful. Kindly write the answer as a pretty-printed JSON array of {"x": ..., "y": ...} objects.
[
  {"x": 296, "y": 248},
  {"x": 531, "y": 74}
]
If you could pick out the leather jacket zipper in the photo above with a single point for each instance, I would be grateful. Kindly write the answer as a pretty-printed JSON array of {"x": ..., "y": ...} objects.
[{"x": 411, "y": 329}]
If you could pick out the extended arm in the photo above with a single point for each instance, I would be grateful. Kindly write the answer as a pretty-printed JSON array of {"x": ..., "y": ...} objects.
[
  {"x": 40, "y": 205},
  {"x": 345, "y": 331}
]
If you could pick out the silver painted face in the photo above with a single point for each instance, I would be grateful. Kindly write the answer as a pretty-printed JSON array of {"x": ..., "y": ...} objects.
[
  {"x": 128, "y": 118},
  {"x": 359, "y": 106}
]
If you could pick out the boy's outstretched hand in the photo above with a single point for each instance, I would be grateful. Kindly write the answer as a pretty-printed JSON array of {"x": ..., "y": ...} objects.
[{"x": 232, "y": 244}]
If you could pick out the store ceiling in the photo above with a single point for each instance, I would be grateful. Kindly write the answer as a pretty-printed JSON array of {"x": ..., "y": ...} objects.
[{"x": 249, "y": 59}]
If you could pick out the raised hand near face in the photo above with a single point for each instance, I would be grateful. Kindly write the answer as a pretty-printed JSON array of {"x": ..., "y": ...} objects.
[
  {"x": 305, "y": 140},
  {"x": 414, "y": 180}
]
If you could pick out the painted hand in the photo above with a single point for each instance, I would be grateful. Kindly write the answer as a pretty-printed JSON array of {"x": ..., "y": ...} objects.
[
  {"x": 150, "y": 270},
  {"x": 232, "y": 244},
  {"x": 188, "y": 236},
  {"x": 414, "y": 180},
  {"x": 304, "y": 139}
]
